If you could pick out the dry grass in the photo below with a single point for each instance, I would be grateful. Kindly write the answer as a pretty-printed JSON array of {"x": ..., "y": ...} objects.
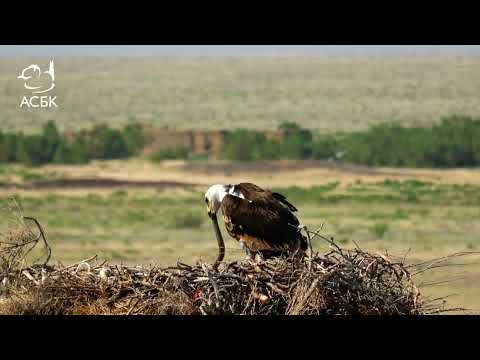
[
  {"x": 330, "y": 94},
  {"x": 279, "y": 173}
]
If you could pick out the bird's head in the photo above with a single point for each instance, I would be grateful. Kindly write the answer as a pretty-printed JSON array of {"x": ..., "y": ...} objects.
[{"x": 214, "y": 197}]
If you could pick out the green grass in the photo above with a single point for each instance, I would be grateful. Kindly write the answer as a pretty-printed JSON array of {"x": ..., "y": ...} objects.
[
  {"x": 141, "y": 220},
  {"x": 379, "y": 230},
  {"x": 388, "y": 192},
  {"x": 181, "y": 219},
  {"x": 330, "y": 94},
  {"x": 25, "y": 173}
]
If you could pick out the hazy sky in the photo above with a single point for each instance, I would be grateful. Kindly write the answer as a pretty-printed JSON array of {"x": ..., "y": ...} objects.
[{"x": 234, "y": 50}]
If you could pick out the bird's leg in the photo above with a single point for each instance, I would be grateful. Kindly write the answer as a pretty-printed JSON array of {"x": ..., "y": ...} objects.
[
  {"x": 250, "y": 255},
  {"x": 248, "y": 252}
]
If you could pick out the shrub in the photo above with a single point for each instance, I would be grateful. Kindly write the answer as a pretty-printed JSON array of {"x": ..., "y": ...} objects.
[
  {"x": 451, "y": 143},
  {"x": 103, "y": 142},
  {"x": 169, "y": 154},
  {"x": 74, "y": 153},
  {"x": 379, "y": 229},
  {"x": 325, "y": 147},
  {"x": 50, "y": 146},
  {"x": 134, "y": 139},
  {"x": 245, "y": 145}
]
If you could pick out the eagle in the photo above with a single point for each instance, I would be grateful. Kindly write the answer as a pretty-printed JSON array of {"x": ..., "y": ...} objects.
[{"x": 261, "y": 220}]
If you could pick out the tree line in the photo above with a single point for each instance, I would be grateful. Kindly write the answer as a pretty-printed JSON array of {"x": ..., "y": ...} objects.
[
  {"x": 100, "y": 142},
  {"x": 453, "y": 142}
]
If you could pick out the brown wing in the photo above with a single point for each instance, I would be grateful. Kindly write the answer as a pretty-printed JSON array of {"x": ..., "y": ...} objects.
[
  {"x": 284, "y": 201},
  {"x": 262, "y": 223},
  {"x": 252, "y": 191}
]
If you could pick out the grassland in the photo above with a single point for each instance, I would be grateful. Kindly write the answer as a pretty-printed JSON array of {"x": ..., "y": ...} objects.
[
  {"x": 429, "y": 212},
  {"x": 330, "y": 94}
]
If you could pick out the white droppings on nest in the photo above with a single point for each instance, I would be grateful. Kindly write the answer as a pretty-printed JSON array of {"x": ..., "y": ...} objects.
[
  {"x": 261, "y": 297},
  {"x": 44, "y": 276},
  {"x": 83, "y": 266},
  {"x": 4, "y": 285},
  {"x": 30, "y": 277},
  {"x": 103, "y": 274}
]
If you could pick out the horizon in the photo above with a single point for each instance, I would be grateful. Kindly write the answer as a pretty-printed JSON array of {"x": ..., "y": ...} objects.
[{"x": 237, "y": 50}]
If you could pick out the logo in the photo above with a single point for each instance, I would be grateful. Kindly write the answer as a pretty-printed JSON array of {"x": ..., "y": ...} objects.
[{"x": 38, "y": 82}]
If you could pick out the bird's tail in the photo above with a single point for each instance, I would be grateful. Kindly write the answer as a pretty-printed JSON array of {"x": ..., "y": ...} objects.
[
  {"x": 299, "y": 242},
  {"x": 302, "y": 239}
]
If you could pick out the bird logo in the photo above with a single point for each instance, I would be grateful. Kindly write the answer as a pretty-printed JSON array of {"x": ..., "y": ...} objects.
[{"x": 33, "y": 73}]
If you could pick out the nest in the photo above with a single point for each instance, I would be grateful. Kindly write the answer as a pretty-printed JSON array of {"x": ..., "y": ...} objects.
[{"x": 340, "y": 282}]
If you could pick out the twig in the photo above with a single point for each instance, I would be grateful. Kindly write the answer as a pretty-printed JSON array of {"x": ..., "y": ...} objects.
[{"x": 41, "y": 234}]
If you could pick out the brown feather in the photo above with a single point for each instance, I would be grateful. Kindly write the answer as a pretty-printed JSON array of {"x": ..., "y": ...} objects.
[{"x": 263, "y": 221}]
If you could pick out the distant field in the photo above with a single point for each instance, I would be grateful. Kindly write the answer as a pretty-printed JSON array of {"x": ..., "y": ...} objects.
[{"x": 330, "y": 94}]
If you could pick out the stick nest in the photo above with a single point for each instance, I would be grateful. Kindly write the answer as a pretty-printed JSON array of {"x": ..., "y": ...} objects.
[{"x": 341, "y": 282}]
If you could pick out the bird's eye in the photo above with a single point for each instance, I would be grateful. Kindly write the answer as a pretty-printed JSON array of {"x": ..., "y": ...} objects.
[{"x": 206, "y": 200}]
